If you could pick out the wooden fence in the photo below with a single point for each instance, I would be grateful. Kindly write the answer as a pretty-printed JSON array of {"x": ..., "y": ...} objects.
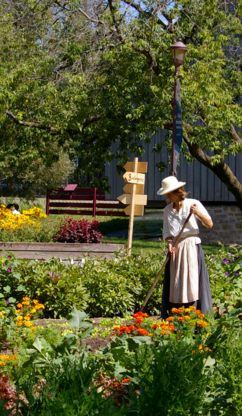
[{"x": 73, "y": 200}]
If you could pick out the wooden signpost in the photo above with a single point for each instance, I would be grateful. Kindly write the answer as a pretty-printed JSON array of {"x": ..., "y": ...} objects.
[{"x": 134, "y": 194}]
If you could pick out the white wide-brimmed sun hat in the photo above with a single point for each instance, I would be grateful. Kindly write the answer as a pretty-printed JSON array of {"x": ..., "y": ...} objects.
[{"x": 169, "y": 184}]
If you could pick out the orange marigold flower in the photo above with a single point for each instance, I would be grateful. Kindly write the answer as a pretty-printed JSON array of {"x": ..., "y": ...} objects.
[
  {"x": 187, "y": 317},
  {"x": 171, "y": 327},
  {"x": 175, "y": 310},
  {"x": 208, "y": 349},
  {"x": 170, "y": 318},
  {"x": 202, "y": 324},
  {"x": 137, "y": 314},
  {"x": 198, "y": 312},
  {"x": 35, "y": 301},
  {"x": 128, "y": 330},
  {"x": 125, "y": 380},
  {"x": 200, "y": 347},
  {"x": 33, "y": 327},
  {"x": 19, "y": 305},
  {"x": 149, "y": 335},
  {"x": 26, "y": 298},
  {"x": 181, "y": 318},
  {"x": 139, "y": 320},
  {"x": 192, "y": 308},
  {"x": 116, "y": 383},
  {"x": 142, "y": 331},
  {"x": 156, "y": 326}
]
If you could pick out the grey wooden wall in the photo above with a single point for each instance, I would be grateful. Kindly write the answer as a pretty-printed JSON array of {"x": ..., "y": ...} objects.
[{"x": 201, "y": 183}]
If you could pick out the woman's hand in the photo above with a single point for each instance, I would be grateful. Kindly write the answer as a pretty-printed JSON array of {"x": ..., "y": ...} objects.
[
  {"x": 194, "y": 209},
  {"x": 205, "y": 220},
  {"x": 171, "y": 248}
]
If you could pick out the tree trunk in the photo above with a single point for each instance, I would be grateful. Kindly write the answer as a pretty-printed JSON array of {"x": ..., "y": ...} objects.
[{"x": 222, "y": 170}]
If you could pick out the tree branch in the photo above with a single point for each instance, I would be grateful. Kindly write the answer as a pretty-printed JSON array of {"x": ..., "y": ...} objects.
[
  {"x": 150, "y": 57},
  {"x": 30, "y": 124},
  {"x": 63, "y": 6},
  {"x": 221, "y": 169},
  {"x": 144, "y": 13},
  {"x": 235, "y": 135}
]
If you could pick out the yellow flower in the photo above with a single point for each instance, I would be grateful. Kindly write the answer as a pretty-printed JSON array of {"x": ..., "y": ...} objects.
[
  {"x": 28, "y": 324},
  {"x": 41, "y": 306}
]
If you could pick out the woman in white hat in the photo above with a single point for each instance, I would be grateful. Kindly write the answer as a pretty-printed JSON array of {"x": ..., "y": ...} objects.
[{"x": 186, "y": 280}]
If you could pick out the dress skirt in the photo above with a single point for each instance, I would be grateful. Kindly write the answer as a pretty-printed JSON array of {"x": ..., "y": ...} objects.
[{"x": 203, "y": 303}]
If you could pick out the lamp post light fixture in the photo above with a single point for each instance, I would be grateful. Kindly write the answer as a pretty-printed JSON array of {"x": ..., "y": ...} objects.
[{"x": 178, "y": 53}]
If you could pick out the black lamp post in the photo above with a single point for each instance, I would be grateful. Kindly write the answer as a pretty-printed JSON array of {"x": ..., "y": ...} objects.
[{"x": 178, "y": 54}]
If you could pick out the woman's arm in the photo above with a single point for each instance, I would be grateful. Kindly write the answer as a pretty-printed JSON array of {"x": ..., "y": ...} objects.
[{"x": 205, "y": 220}]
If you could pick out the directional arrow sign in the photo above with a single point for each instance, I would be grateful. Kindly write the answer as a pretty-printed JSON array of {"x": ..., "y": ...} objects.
[
  {"x": 139, "y": 199},
  {"x": 138, "y": 210},
  {"x": 131, "y": 177},
  {"x": 129, "y": 187},
  {"x": 142, "y": 167}
]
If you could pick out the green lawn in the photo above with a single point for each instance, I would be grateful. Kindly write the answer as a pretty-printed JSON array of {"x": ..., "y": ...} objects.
[{"x": 144, "y": 232}]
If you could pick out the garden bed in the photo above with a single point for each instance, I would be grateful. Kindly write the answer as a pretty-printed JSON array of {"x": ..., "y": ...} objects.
[{"x": 64, "y": 251}]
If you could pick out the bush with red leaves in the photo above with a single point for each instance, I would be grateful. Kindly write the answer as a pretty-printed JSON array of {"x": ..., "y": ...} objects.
[
  {"x": 9, "y": 395},
  {"x": 82, "y": 231}
]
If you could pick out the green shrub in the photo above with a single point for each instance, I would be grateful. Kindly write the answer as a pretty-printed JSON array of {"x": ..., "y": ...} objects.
[
  {"x": 101, "y": 287},
  {"x": 58, "y": 287}
]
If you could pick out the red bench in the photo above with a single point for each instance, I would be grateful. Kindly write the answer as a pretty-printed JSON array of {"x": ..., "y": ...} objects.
[{"x": 89, "y": 202}]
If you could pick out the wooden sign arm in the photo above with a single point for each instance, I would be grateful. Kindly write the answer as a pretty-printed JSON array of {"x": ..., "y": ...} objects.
[{"x": 164, "y": 264}]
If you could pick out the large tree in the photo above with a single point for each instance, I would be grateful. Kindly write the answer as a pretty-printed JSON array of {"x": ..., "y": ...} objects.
[{"x": 84, "y": 74}]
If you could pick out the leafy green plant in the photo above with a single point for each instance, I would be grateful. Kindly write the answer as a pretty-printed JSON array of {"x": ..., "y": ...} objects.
[{"x": 58, "y": 287}]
